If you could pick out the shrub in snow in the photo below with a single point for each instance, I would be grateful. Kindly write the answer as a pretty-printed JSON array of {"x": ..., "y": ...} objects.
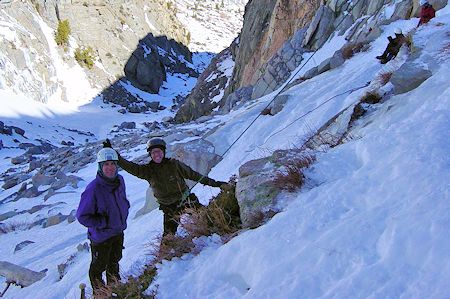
[
  {"x": 85, "y": 57},
  {"x": 371, "y": 97},
  {"x": 351, "y": 49},
  {"x": 291, "y": 176},
  {"x": 62, "y": 33},
  {"x": 221, "y": 216}
]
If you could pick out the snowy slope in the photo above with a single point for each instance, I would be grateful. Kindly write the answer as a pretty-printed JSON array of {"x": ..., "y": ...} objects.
[
  {"x": 198, "y": 16},
  {"x": 374, "y": 225}
]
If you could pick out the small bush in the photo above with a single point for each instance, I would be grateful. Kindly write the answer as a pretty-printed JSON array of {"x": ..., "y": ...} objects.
[
  {"x": 134, "y": 287},
  {"x": 291, "y": 177},
  {"x": 62, "y": 33},
  {"x": 385, "y": 77},
  {"x": 351, "y": 49},
  {"x": 371, "y": 97},
  {"x": 188, "y": 37},
  {"x": 321, "y": 141},
  {"x": 85, "y": 57},
  {"x": 220, "y": 217}
]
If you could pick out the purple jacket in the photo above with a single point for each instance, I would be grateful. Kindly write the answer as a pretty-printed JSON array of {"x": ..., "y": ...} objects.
[{"x": 104, "y": 208}]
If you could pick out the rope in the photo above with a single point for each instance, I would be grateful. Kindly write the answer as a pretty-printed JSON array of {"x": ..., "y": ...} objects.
[
  {"x": 317, "y": 107},
  {"x": 284, "y": 86},
  {"x": 283, "y": 89}
]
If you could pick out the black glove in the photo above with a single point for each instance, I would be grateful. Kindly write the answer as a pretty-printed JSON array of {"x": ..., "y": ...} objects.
[{"x": 107, "y": 143}]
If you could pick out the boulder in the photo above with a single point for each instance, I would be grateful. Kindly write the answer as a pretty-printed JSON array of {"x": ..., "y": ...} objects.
[
  {"x": 337, "y": 60},
  {"x": 128, "y": 125},
  {"x": 29, "y": 193},
  {"x": 9, "y": 183},
  {"x": 54, "y": 220},
  {"x": 255, "y": 191},
  {"x": 237, "y": 98},
  {"x": 198, "y": 154},
  {"x": 19, "y": 131},
  {"x": 19, "y": 275},
  {"x": 278, "y": 103},
  {"x": 409, "y": 76},
  {"x": 324, "y": 66},
  {"x": 311, "y": 73},
  {"x": 72, "y": 216},
  {"x": 7, "y": 215},
  {"x": 42, "y": 180},
  {"x": 20, "y": 160},
  {"x": 34, "y": 164},
  {"x": 22, "y": 245}
]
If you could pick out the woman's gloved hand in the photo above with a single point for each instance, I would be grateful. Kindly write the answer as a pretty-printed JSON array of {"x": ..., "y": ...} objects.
[{"x": 107, "y": 143}]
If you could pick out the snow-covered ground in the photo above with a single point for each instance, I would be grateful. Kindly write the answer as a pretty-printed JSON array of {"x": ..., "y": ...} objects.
[
  {"x": 374, "y": 224},
  {"x": 197, "y": 16}
]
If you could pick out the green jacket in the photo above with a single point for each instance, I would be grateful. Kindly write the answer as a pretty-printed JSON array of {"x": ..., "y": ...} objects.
[{"x": 167, "y": 178}]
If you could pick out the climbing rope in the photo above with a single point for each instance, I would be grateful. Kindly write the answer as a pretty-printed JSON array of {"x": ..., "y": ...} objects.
[
  {"x": 317, "y": 107},
  {"x": 282, "y": 89}
]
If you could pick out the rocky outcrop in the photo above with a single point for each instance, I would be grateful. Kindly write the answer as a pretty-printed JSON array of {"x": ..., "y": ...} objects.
[
  {"x": 198, "y": 154},
  {"x": 154, "y": 56},
  {"x": 276, "y": 34},
  {"x": 111, "y": 28},
  {"x": 19, "y": 275},
  {"x": 208, "y": 90},
  {"x": 409, "y": 76},
  {"x": 280, "y": 66},
  {"x": 267, "y": 25},
  {"x": 257, "y": 189}
]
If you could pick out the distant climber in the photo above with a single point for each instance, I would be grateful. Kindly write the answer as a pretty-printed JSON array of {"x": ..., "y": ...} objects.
[
  {"x": 393, "y": 47},
  {"x": 103, "y": 210},
  {"x": 167, "y": 177},
  {"x": 427, "y": 12}
]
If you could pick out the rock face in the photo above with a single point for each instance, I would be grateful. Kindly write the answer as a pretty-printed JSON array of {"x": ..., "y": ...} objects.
[
  {"x": 146, "y": 68},
  {"x": 409, "y": 76},
  {"x": 276, "y": 34},
  {"x": 267, "y": 25},
  {"x": 208, "y": 90},
  {"x": 198, "y": 154},
  {"x": 256, "y": 189},
  {"x": 112, "y": 28}
]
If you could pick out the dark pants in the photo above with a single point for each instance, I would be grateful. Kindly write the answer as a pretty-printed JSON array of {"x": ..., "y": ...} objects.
[
  {"x": 105, "y": 257},
  {"x": 386, "y": 56},
  {"x": 173, "y": 212}
]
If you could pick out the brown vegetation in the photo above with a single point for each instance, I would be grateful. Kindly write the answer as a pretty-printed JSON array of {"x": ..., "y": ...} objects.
[{"x": 291, "y": 178}]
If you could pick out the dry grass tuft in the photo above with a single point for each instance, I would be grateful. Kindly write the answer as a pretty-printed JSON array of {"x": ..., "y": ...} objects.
[
  {"x": 371, "y": 97},
  {"x": 385, "y": 77},
  {"x": 291, "y": 178},
  {"x": 351, "y": 49},
  {"x": 220, "y": 217},
  {"x": 170, "y": 246},
  {"x": 134, "y": 287}
]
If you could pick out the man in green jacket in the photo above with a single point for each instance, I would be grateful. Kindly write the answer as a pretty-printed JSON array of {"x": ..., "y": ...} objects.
[{"x": 167, "y": 177}]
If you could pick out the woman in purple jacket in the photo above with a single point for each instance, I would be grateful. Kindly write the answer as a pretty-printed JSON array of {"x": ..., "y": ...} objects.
[{"x": 103, "y": 210}]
